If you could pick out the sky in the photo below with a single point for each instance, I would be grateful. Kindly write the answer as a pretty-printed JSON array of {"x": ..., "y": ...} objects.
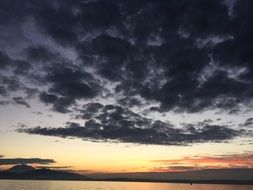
[{"x": 116, "y": 86}]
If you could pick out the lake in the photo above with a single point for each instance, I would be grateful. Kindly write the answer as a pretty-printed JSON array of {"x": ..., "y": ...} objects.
[{"x": 98, "y": 185}]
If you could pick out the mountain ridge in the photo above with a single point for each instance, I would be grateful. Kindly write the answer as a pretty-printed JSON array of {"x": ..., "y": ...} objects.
[
  {"x": 20, "y": 168},
  {"x": 28, "y": 172}
]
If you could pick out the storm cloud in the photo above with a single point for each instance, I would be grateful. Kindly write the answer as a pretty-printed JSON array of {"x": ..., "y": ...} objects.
[
  {"x": 178, "y": 56},
  {"x": 115, "y": 124}
]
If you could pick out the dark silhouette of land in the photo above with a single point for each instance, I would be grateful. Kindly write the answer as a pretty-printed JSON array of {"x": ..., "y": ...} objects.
[
  {"x": 20, "y": 168},
  {"x": 26, "y": 172}
]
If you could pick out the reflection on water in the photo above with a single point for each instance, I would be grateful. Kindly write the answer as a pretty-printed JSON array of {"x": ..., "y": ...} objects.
[{"x": 93, "y": 185}]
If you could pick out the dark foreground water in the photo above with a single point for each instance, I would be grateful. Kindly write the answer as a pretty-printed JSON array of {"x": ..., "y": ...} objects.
[{"x": 93, "y": 185}]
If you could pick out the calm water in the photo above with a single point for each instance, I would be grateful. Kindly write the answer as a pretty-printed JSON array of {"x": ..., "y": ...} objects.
[{"x": 84, "y": 185}]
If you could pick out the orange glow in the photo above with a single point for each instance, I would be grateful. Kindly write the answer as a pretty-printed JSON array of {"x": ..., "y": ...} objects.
[{"x": 205, "y": 162}]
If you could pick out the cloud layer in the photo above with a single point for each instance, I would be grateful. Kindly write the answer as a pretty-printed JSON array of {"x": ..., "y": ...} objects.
[
  {"x": 181, "y": 60},
  {"x": 13, "y": 161},
  {"x": 117, "y": 124},
  {"x": 206, "y": 162},
  {"x": 177, "y": 56}
]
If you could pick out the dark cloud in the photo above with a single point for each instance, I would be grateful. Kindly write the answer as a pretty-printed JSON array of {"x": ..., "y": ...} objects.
[
  {"x": 238, "y": 51},
  {"x": 14, "y": 86},
  {"x": 73, "y": 83},
  {"x": 11, "y": 83},
  {"x": 3, "y": 103},
  {"x": 180, "y": 60},
  {"x": 129, "y": 102},
  {"x": 40, "y": 53},
  {"x": 148, "y": 48},
  {"x": 90, "y": 110},
  {"x": 184, "y": 56},
  {"x": 112, "y": 123},
  {"x": 5, "y": 61},
  {"x": 3, "y": 91},
  {"x": 21, "y": 67},
  {"x": 206, "y": 18},
  {"x": 48, "y": 13},
  {"x": 21, "y": 101},
  {"x": 18, "y": 66},
  {"x": 48, "y": 98},
  {"x": 248, "y": 122},
  {"x": 53, "y": 167},
  {"x": 12, "y": 161},
  {"x": 14, "y": 11},
  {"x": 69, "y": 85}
]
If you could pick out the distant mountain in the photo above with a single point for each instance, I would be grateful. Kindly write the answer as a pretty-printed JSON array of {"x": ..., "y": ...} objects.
[
  {"x": 28, "y": 172},
  {"x": 212, "y": 176},
  {"x": 20, "y": 168},
  {"x": 232, "y": 175}
]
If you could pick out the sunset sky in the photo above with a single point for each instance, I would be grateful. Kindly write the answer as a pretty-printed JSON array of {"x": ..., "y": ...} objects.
[{"x": 121, "y": 86}]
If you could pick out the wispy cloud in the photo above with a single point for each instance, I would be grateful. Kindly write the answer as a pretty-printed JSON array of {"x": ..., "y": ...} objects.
[
  {"x": 21, "y": 101},
  {"x": 54, "y": 167},
  {"x": 13, "y": 161},
  {"x": 206, "y": 162}
]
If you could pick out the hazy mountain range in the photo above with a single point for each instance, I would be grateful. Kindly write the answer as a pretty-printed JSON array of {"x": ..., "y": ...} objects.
[
  {"x": 241, "y": 174},
  {"x": 28, "y": 172}
]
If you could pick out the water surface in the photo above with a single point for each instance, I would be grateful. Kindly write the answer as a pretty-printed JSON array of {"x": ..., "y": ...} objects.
[{"x": 98, "y": 185}]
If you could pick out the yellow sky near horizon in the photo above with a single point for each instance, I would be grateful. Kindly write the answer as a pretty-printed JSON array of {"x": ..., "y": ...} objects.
[{"x": 107, "y": 157}]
